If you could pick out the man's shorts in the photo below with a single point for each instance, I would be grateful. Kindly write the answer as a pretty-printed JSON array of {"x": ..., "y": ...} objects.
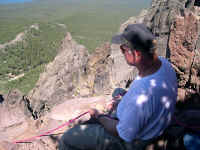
[{"x": 94, "y": 137}]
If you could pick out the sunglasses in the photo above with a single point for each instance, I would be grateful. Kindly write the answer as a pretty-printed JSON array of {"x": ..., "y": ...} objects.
[{"x": 124, "y": 48}]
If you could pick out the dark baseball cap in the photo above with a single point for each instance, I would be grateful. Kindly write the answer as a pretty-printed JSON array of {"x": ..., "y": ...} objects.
[{"x": 138, "y": 36}]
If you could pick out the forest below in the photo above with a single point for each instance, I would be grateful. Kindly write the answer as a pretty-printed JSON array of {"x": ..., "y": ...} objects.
[{"x": 91, "y": 23}]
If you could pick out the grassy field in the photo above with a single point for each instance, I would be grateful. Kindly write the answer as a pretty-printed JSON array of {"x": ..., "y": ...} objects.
[{"x": 91, "y": 22}]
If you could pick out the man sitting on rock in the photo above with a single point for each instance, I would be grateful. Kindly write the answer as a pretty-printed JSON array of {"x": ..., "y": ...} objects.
[{"x": 144, "y": 111}]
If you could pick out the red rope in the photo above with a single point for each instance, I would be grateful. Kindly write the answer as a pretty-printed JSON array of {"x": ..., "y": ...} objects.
[
  {"x": 28, "y": 140},
  {"x": 50, "y": 131}
]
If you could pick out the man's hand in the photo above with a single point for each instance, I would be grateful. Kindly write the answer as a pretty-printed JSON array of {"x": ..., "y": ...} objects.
[
  {"x": 108, "y": 123},
  {"x": 93, "y": 113},
  {"x": 111, "y": 105}
]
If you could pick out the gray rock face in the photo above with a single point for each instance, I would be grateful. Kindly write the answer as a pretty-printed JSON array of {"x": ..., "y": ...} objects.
[
  {"x": 160, "y": 18},
  {"x": 12, "y": 117},
  {"x": 172, "y": 21},
  {"x": 182, "y": 44},
  {"x": 43, "y": 144},
  {"x": 58, "y": 82},
  {"x": 97, "y": 72}
]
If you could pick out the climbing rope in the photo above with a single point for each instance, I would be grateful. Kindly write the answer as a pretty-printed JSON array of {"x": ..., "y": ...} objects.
[{"x": 29, "y": 140}]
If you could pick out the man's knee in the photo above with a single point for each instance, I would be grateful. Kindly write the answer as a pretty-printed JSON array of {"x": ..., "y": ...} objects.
[
  {"x": 63, "y": 146},
  {"x": 80, "y": 137}
]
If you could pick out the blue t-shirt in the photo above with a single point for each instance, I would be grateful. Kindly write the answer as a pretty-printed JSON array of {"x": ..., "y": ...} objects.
[{"x": 146, "y": 109}]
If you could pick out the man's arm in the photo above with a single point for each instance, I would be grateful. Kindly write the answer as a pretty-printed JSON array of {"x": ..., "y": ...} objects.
[
  {"x": 112, "y": 105},
  {"x": 109, "y": 124}
]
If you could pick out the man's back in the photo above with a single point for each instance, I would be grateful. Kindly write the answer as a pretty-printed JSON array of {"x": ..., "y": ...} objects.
[{"x": 146, "y": 110}]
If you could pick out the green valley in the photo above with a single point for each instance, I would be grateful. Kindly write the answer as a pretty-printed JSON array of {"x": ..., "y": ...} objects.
[{"x": 91, "y": 22}]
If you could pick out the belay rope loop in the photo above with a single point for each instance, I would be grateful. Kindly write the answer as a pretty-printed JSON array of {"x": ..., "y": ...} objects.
[{"x": 29, "y": 140}]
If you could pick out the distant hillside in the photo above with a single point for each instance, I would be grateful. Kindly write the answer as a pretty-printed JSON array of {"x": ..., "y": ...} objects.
[
  {"x": 22, "y": 59},
  {"x": 91, "y": 22}
]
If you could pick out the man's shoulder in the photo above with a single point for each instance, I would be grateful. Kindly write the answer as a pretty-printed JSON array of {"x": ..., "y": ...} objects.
[
  {"x": 167, "y": 67},
  {"x": 165, "y": 62},
  {"x": 139, "y": 85},
  {"x": 162, "y": 58}
]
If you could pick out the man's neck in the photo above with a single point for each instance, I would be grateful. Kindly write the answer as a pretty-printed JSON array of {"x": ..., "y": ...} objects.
[{"x": 149, "y": 66}]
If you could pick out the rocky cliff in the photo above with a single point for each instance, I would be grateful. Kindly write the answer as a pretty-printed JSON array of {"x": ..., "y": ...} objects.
[
  {"x": 75, "y": 76},
  {"x": 176, "y": 25}
]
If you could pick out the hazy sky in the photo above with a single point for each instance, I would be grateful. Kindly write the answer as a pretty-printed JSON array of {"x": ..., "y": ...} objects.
[
  {"x": 13, "y": 1},
  {"x": 113, "y": 1}
]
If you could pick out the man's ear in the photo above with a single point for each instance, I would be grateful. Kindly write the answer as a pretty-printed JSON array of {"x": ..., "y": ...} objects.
[{"x": 137, "y": 53}]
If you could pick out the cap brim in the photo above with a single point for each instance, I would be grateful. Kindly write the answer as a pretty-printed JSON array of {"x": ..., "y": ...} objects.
[{"x": 118, "y": 39}]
